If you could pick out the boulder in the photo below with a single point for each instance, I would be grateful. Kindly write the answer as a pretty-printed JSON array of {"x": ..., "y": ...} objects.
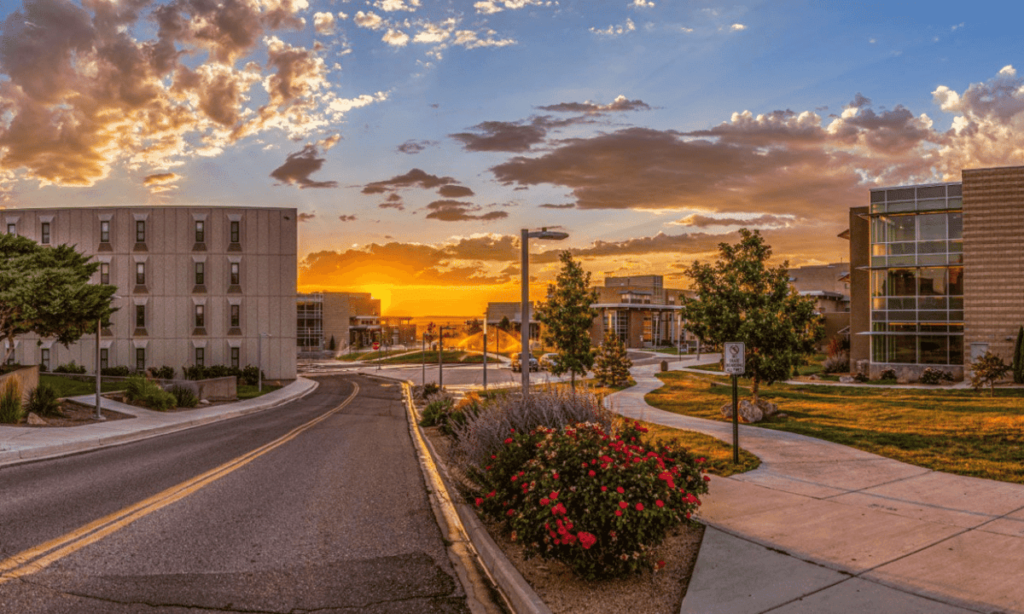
[
  {"x": 846, "y": 379},
  {"x": 35, "y": 420},
  {"x": 768, "y": 409},
  {"x": 749, "y": 412}
]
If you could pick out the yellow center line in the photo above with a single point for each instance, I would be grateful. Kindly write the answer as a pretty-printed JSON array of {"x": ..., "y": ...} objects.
[{"x": 38, "y": 557}]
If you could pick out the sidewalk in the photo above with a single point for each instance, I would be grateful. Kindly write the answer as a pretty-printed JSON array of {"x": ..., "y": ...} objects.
[
  {"x": 821, "y": 527},
  {"x": 19, "y": 444}
]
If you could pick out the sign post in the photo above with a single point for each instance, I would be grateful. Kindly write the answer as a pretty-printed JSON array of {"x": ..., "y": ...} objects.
[{"x": 735, "y": 364}]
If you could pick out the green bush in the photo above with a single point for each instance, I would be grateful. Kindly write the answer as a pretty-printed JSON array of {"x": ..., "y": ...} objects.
[
  {"x": 44, "y": 401},
  {"x": 10, "y": 402},
  {"x": 599, "y": 503},
  {"x": 986, "y": 370},
  {"x": 437, "y": 410},
  {"x": 250, "y": 375},
  {"x": 120, "y": 371},
  {"x": 934, "y": 376},
  {"x": 184, "y": 396},
  {"x": 138, "y": 389},
  {"x": 70, "y": 367},
  {"x": 163, "y": 372},
  {"x": 889, "y": 375}
]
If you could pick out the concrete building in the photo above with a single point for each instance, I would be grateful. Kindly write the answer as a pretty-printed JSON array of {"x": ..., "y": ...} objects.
[
  {"x": 829, "y": 286},
  {"x": 496, "y": 312},
  {"x": 641, "y": 311},
  {"x": 352, "y": 319},
  {"x": 198, "y": 285}
]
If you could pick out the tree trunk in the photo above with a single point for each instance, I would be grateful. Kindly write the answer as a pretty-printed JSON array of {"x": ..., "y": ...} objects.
[
  {"x": 572, "y": 380},
  {"x": 754, "y": 387}
]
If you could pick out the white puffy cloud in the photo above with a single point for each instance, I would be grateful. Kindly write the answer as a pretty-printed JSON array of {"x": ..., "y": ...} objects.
[
  {"x": 642, "y": 4},
  {"x": 435, "y": 32},
  {"x": 368, "y": 20},
  {"x": 615, "y": 30},
  {"x": 395, "y": 38},
  {"x": 323, "y": 23},
  {"x": 489, "y": 7},
  {"x": 472, "y": 40},
  {"x": 390, "y": 6},
  {"x": 736, "y": 27}
]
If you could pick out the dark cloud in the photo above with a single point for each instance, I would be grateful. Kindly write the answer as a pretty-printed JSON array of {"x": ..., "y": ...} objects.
[
  {"x": 415, "y": 178},
  {"x": 299, "y": 166},
  {"x": 761, "y": 221},
  {"x": 394, "y": 201},
  {"x": 619, "y": 104},
  {"x": 561, "y": 206},
  {"x": 455, "y": 191},
  {"x": 456, "y": 211},
  {"x": 347, "y": 218},
  {"x": 415, "y": 147},
  {"x": 502, "y": 136},
  {"x": 159, "y": 178},
  {"x": 496, "y": 248},
  {"x": 306, "y": 217},
  {"x": 859, "y": 101}
]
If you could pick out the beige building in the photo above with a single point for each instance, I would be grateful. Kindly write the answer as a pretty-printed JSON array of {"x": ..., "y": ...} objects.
[
  {"x": 829, "y": 286},
  {"x": 496, "y": 312},
  {"x": 197, "y": 285},
  {"x": 352, "y": 319},
  {"x": 641, "y": 311}
]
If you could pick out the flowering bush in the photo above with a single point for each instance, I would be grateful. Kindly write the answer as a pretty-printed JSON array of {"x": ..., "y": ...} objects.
[{"x": 597, "y": 502}]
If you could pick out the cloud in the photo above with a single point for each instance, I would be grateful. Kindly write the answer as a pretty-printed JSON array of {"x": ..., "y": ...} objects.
[
  {"x": 393, "y": 201},
  {"x": 435, "y": 32},
  {"x": 642, "y": 4},
  {"x": 415, "y": 178},
  {"x": 390, "y": 6},
  {"x": 621, "y": 103},
  {"x": 323, "y": 23},
  {"x": 486, "y": 38},
  {"x": 415, "y": 147},
  {"x": 456, "y": 211},
  {"x": 299, "y": 166},
  {"x": 489, "y": 7},
  {"x": 455, "y": 191},
  {"x": 737, "y": 27},
  {"x": 306, "y": 217},
  {"x": 347, "y": 218},
  {"x": 395, "y": 38},
  {"x": 561, "y": 206},
  {"x": 368, "y": 20},
  {"x": 160, "y": 179},
  {"x": 614, "y": 30},
  {"x": 758, "y": 221},
  {"x": 502, "y": 136}
]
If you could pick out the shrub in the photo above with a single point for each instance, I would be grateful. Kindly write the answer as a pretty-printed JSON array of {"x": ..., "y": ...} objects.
[
  {"x": 986, "y": 370},
  {"x": 70, "y": 367},
  {"x": 889, "y": 375},
  {"x": 935, "y": 376},
  {"x": 250, "y": 375},
  {"x": 611, "y": 367},
  {"x": 121, "y": 371},
  {"x": 437, "y": 409},
  {"x": 484, "y": 432},
  {"x": 837, "y": 363},
  {"x": 43, "y": 401},
  {"x": 138, "y": 389},
  {"x": 597, "y": 502},
  {"x": 860, "y": 377},
  {"x": 185, "y": 395},
  {"x": 10, "y": 402},
  {"x": 163, "y": 372},
  {"x": 194, "y": 372},
  {"x": 429, "y": 389}
]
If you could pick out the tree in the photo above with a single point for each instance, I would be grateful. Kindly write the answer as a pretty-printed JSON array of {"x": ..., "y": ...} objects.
[
  {"x": 741, "y": 298},
  {"x": 611, "y": 367},
  {"x": 504, "y": 325},
  {"x": 986, "y": 370},
  {"x": 46, "y": 291},
  {"x": 1018, "y": 358},
  {"x": 567, "y": 317}
]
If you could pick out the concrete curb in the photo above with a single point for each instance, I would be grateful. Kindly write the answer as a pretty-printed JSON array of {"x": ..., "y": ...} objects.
[
  {"x": 462, "y": 520},
  {"x": 15, "y": 457}
]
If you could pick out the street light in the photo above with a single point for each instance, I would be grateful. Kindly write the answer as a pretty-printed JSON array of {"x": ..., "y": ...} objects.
[
  {"x": 524, "y": 322},
  {"x": 259, "y": 360},
  {"x": 99, "y": 335}
]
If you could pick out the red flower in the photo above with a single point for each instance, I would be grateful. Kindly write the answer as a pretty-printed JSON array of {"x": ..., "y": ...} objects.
[
  {"x": 508, "y": 441},
  {"x": 620, "y": 490},
  {"x": 660, "y": 564},
  {"x": 659, "y": 503},
  {"x": 490, "y": 494},
  {"x": 707, "y": 478},
  {"x": 591, "y": 473},
  {"x": 511, "y": 512},
  {"x": 623, "y": 504},
  {"x": 556, "y": 476},
  {"x": 544, "y": 501},
  {"x": 604, "y": 488},
  {"x": 515, "y": 477},
  {"x": 554, "y": 496},
  {"x": 586, "y": 540},
  {"x": 639, "y": 507},
  {"x": 479, "y": 501},
  {"x": 618, "y": 512}
]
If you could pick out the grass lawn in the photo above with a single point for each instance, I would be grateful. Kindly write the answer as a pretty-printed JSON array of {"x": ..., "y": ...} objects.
[
  {"x": 66, "y": 387},
  {"x": 957, "y": 431},
  {"x": 251, "y": 392},
  {"x": 717, "y": 452},
  {"x": 368, "y": 355},
  {"x": 450, "y": 357}
]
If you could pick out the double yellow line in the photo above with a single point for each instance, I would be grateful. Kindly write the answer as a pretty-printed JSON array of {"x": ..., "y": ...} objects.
[{"x": 39, "y": 557}]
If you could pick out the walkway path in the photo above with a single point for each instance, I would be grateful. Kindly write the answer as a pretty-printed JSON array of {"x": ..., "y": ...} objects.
[{"x": 821, "y": 527}]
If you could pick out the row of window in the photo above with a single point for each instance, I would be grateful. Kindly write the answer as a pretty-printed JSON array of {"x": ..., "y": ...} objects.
[
  {"x": 140, "y": 358},
  {"x": 234, "y": 231},
  {"x": 199, "y": 271},
  {"x": 918, "y": 349},
  {"x": 235, "y": 318}
]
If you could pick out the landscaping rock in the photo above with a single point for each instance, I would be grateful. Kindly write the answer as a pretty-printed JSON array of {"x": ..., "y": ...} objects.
[
  {"x": 35, "y": 420},
  {"x": 749, "y": 412},
  {"x": 204, "y": 402},
  {"x": 813, "y": 377},
  {"x": 846, "y": 379},
  {"x": 768, "y": 409}
]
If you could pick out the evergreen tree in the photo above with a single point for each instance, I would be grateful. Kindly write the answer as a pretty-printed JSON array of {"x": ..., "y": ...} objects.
[
  {"x": 504, "y": 324},
  {"x": 1018, "y": 358},
  {"x": 567, "y": 317},
  {"x": 611, "y": 367},
  {"x": 741, "y": 298},
  {"x": 46, "y": 291}
]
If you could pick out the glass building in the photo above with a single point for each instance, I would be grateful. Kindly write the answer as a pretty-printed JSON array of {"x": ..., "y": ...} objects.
[{"x": 917, "y": 275}]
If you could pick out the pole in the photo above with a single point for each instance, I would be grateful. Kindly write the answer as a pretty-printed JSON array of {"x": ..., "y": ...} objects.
[
  {"x": 440, "y": 358},
  {"x": 735, "y": 421},
  {"x": 485, "y": 357},
  {"x": 423, "y": 355},
  {"x": 259, "y": 361},
  {"x": 99, "y": 330},
  {"x": 524, "y": 321}
]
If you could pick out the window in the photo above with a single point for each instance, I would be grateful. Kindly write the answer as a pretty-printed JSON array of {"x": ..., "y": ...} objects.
[
  {"x": 12, "y": 229},
  {"x": 140, "y": 273},
  {"x": 236, "y": 316},
  {"x": 140, "y": 359},
  {"x": 200, "y": 316},
  {"x": 44, "y": 359},
  {"x": 235, "y": 276},
  {"x": 140, "y": 316},
  {"x": 235, "y": 361},
  {"x": 105, "y": 273},
  {"x": 200, "y": 231},
  {"x": 200, "y": 356},
  {"x": 235, "y": 231},
  {"x": 200, "y": 273},
  {"x": 104, "y": 358},
  {"x": 140, "y": 231},
  {"x": 45, "y": 234},
  {"x": 104, "y": 231}
]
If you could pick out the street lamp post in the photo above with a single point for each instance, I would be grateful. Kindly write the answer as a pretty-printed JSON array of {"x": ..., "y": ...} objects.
[
  {"x": 99, "y": 335},
  {"x": 423, "y": 355},
  {"x": 524, "y": 322},
  {"x": 485, "y": 352},
  {"x": 259, "y": 359}
]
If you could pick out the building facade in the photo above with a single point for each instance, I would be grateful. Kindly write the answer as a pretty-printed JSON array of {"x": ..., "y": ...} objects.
[
  {"x": 641, "y": 311},
  {"x": 829, "y": 286},
  {"x": 351, "y": 319},
  {"x": 195, "y": 285}
]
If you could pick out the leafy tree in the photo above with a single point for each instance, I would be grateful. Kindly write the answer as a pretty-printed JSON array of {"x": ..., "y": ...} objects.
[
  {"x": 567, "y": 317},
  {"x": 1018, "y": 358},
  {"x": 611, "y": 367},
  {"x": 741, "y": 298},
  {"x": 46, "y": 291},
  {"x": 986, "y": 370}
]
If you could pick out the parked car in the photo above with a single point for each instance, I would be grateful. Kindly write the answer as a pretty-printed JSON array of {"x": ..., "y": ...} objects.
[
  {"x": 547, "y": 361},
  {"x": 534, "y": 365}
]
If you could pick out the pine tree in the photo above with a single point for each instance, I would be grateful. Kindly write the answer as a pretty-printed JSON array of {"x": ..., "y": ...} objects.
[
  {"x": 611, "y": 368},
  {"x": 567, "y": 317},
  {"x": 1018, "y": 358}
]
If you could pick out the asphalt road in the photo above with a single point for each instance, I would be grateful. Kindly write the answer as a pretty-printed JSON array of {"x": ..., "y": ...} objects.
[{"x": 333, "y": 519}]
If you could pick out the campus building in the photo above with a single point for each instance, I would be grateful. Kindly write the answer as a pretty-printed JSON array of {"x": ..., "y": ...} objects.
[
  {"x": 352, "y": 319},
  {"x": 829, "y": 286},
  {"x": 195, "y": 285},
  {"x": 641, "y": 311},
  {"x": 513, "y": 312}
]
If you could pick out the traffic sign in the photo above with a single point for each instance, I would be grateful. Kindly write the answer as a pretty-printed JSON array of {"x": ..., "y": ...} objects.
[{"x": 735, "y": 358}]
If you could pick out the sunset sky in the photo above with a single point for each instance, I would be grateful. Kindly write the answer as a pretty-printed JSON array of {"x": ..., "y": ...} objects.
[{"x": 416, "y": 138}]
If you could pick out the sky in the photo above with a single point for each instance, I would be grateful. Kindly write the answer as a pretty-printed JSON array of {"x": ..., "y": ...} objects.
[{"x": 417, "y": 138}]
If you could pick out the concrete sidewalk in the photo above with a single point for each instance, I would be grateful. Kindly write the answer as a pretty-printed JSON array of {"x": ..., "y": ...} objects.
[
  {"x": 19, "y": 443},
  {"x": 821, "y": 527}
]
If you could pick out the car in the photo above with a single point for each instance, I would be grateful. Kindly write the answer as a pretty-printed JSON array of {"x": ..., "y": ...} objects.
[
  {"x": 548, "y": 361},
  {"x": 534, "y": 365}
]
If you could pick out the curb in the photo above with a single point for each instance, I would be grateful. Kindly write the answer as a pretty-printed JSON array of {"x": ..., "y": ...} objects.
[
  {"x": 462, "y": 521},
  {"x": 17, "y": 457}
]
